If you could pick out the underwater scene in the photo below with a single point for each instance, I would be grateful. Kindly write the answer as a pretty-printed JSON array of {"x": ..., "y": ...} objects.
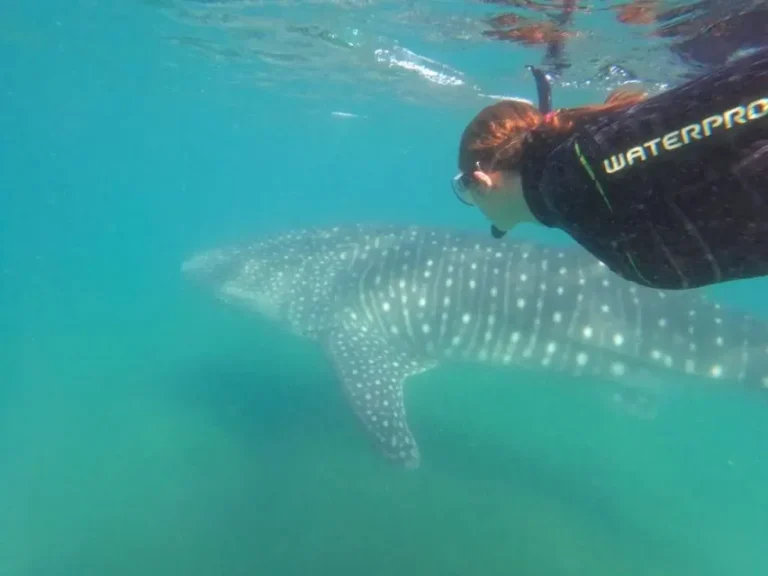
[{"x": 248, "y": 328}]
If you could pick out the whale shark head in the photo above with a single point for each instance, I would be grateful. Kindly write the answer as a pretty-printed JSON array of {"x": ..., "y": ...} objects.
[
  {"x": 294, "y": 278},
  {"x": 222, "y": 272},
  {"x": 387, "y": 303}
]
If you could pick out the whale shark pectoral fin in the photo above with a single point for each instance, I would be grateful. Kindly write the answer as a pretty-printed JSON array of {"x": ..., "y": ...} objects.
[{"x": 372, "y": 373}]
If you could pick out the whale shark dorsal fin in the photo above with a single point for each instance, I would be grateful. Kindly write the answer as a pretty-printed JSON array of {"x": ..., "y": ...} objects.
[{"x": 372, "y": 372}]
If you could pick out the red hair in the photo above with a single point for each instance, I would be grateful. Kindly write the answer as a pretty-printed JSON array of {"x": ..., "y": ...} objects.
[{"x": 495, "y": 138}]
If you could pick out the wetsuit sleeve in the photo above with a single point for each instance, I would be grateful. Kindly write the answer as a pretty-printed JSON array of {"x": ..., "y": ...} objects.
[{"x": 671, "y": 192}]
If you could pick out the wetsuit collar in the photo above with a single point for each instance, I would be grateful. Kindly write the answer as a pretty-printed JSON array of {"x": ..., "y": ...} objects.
[{"x": 538, "y": 146}]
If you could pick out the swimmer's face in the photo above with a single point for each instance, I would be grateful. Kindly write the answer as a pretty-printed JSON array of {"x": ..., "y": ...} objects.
[{"x": 498, "y": 194}]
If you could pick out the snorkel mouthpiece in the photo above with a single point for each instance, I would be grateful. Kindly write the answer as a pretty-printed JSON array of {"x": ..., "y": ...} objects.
[{"x": 496, "y": 233}]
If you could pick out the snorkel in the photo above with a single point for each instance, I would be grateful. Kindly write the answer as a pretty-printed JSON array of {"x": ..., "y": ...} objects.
[
  {"x": 544, "y": 94},
  {"x": 543, "y": 89}
]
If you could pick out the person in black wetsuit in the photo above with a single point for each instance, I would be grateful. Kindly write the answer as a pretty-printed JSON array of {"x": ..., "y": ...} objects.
[{"x": 669, "y": 191}]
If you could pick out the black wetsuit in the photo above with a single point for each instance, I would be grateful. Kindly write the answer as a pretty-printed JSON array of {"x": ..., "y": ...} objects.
[{"x": 672, "y": 192}]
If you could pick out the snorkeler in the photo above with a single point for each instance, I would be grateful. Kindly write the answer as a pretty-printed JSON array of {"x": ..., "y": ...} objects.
[{"x": 669, "y": 191}]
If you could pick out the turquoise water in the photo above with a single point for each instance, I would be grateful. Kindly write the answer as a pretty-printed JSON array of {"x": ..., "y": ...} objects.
[{"x": 146, "y": 430}]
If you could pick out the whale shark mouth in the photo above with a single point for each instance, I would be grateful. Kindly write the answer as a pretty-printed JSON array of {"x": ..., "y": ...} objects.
[{"x": 234, "y": 293}]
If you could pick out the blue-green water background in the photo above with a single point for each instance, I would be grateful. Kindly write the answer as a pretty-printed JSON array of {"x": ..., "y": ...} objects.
[{"x": 146, "y": 430}]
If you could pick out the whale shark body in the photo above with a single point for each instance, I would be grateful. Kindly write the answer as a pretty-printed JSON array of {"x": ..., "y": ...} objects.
[{"x": 389, "y": 302}]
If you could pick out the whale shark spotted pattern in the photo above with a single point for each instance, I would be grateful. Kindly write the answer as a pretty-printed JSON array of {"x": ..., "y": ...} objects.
[{"x": 389, "y": 302}]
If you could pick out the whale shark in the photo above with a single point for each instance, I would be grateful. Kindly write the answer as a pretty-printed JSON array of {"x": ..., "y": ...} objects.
[{"x": 388, "y": 302}]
